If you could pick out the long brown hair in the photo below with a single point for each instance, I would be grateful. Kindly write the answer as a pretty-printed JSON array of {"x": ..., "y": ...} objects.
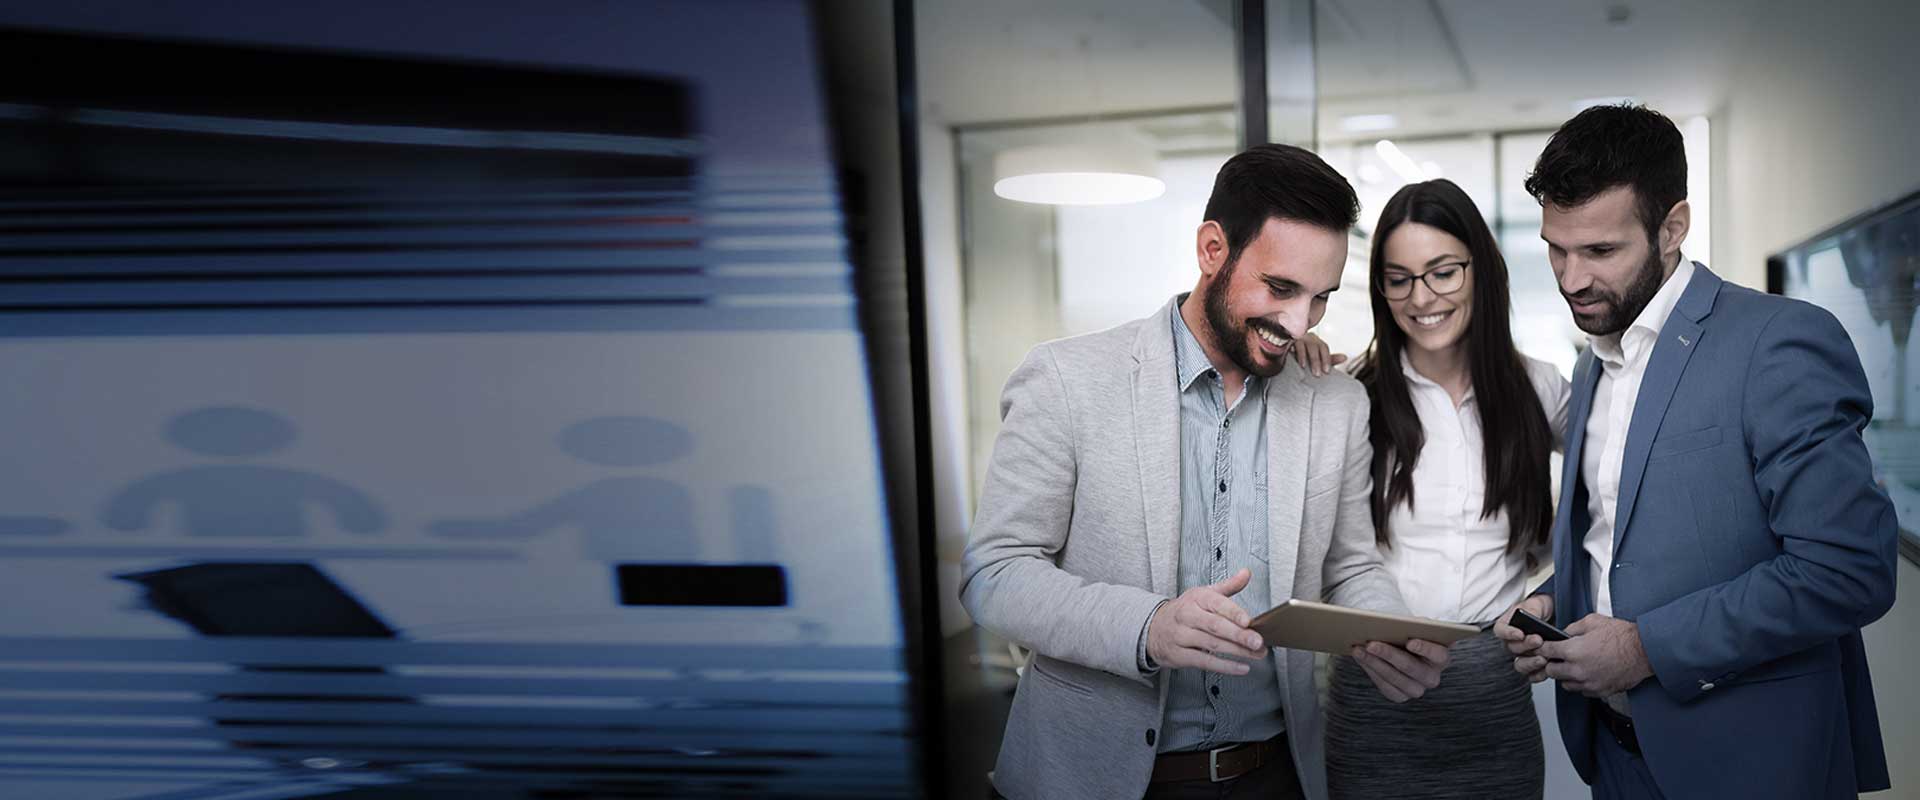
[{"x": 1514, "y": 427}]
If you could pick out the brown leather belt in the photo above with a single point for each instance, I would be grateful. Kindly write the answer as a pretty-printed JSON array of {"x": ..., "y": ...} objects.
[{"x": 1220, "y": 763}]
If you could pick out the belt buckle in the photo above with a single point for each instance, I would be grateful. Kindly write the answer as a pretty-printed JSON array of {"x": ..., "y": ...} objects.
[{"x": 1213, "y": 764}]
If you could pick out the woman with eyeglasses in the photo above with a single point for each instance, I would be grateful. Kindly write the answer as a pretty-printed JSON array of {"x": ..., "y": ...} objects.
[{"x": 1462, "y": 427}]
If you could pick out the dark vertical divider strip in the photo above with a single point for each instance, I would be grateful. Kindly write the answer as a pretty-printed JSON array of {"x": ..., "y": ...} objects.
[
  {"x": 925, "y": 647},
  {"x": 1251, "y": 34}
]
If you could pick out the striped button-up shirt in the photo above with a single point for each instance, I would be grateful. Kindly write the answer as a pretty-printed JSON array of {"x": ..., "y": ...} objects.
[{"x": 1223, "y": 527}]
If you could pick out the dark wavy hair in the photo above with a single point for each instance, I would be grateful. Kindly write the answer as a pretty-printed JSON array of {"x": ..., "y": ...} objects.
[
  {"x": 1608, "y": 146},
  {"x": 1278, "y": 181},
  {"x": 1515, "y": 431}
]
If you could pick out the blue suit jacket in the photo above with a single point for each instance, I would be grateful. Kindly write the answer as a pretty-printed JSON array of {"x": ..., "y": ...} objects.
[{"x": 1751, "y": 544}]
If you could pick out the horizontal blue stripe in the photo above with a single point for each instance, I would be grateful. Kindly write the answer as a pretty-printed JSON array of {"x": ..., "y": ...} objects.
[
  {"x": 296, "y": 651},
  {"x": 826, "y": 763},
  {"x": 504, "y": 212},
  {"x": 187, "y": 551},
  {"x": 871, "y": 744},
  {"x": 468, "y": 238},
  {"x": 214, "y": 263},
  {"x": 767, "y": 692},
  {"x": 761, "y": 786},
  {"x": 361, "y": 320},
  {"x": 393, "y": 290},
  {"x": 869, "y": 719}
]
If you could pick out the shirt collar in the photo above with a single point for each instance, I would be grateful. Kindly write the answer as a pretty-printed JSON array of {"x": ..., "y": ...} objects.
[
  {"x": 1416, "y": 379},
  {"x": 1613, "y": 348},
  {"x": 1190, "y": 360}
]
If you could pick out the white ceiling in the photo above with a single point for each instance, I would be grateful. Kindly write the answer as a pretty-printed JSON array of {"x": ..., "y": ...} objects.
[
  {"x": 990, "y": 60},
  {"x": 1524, "y": 62},
  {"x": 1439, "y": 66}
]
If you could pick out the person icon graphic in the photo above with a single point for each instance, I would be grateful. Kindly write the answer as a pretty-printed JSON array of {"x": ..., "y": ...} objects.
[
  {"x": 238, "y": 499},
  {"x": 626, "y": 518}
]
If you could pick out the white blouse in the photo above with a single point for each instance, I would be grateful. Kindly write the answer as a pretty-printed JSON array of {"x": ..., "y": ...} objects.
[{"x": 1450, "y": 563}]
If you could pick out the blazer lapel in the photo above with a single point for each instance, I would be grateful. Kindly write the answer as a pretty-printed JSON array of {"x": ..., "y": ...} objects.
[
  {"x": 1569, "y": 550},
  {"x": 1289, "y": 421},
  {"x": 1586, "y": 378},
  {"x": 1156, "y": 435},
  {"x": 1679, "y": 337}
]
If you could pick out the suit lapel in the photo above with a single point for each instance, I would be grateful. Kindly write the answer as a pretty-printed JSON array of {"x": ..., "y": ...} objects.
[
  {"x": 1678, "y": 338},
  {"x": 1586, "y": 378},
  {"x": 1569, "y": 549},
  {"x": 1156, "y": 435},
  {"x": 1289, "y": 421}
]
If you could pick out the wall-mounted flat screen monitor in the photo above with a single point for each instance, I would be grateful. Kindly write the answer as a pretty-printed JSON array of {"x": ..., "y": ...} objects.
[{"x": 1867, "y": 272}]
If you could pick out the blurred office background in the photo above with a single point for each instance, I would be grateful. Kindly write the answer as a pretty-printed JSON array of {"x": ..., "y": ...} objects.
[{"x": 588, "y": 399}]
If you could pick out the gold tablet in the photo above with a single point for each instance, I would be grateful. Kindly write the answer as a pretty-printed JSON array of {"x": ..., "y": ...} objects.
[{"x": 1306, "y": 625}]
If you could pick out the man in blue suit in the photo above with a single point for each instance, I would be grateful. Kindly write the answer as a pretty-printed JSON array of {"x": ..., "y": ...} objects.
[{"x": 1720, "y": 540}]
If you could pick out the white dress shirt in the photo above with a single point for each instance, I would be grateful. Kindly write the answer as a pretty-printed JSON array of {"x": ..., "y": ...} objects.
[
  {"x": 1623, "y": 359},
  {"x": 1449, "y": 562}
]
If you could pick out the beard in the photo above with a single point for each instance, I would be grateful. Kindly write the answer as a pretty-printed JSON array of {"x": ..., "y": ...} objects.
[
  {"x": 1624, "y": 307},
  {"x": 1231, "y": 336}
]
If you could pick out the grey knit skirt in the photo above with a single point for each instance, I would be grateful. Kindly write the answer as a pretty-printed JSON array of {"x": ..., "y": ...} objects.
[{"x": 1476, "y": 736}]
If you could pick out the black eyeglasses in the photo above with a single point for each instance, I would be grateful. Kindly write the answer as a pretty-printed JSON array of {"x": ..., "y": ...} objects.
[{"x": 1444, "y": 279}]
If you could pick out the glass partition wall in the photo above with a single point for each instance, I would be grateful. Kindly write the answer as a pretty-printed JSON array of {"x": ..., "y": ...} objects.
[
  {"x": 1386, "y": 93},
  {"x": 1166, "y": 89},
  {"x": 1033, "y": 272}
]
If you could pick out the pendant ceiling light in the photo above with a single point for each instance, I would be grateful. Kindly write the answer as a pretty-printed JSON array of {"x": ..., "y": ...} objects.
[
  {"x": 1077, "y": 175},
  {"x": 1120, "y": 168}
]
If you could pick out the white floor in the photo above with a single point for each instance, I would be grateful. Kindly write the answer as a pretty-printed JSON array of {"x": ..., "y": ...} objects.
[{"x": 1562, "y": 782}]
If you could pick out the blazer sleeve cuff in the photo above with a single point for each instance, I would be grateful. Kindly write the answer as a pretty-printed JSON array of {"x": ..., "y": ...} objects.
[
  {"x": 1141, "y": 658},
  {"x": 1663, "y": 639}
]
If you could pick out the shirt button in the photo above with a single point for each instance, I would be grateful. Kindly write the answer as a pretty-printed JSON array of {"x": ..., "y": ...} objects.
[
  {"x": 1149, "y": 737},
  {"x": 1223, "y": 486},
  {"x": 1215, "y": 690},
  {"x": 1216, "y": 554},
  {"x": 1706, "y": 687}
]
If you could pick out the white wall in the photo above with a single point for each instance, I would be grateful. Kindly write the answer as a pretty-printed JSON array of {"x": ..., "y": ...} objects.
[
  {"x": 1119, "y": 263},
  {"x": 1819, "y": 124},
  {"x": 1893, "y": 647}
]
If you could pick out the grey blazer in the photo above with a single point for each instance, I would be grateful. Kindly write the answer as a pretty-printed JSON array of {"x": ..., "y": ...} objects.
[{"x": 1076, "y": 539}]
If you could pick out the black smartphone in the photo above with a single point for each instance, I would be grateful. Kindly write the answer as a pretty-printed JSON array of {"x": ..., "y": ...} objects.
[{"x": 1530, "y": 624}]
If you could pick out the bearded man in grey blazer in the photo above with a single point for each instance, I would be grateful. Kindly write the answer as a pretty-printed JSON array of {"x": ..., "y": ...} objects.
[{"x": 1155, "y": 485}]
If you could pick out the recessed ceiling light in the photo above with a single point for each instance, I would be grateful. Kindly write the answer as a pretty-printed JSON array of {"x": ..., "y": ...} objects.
[
  {"x": 1398, "y": 161},
  {"x": 1366, "y": 123}
]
